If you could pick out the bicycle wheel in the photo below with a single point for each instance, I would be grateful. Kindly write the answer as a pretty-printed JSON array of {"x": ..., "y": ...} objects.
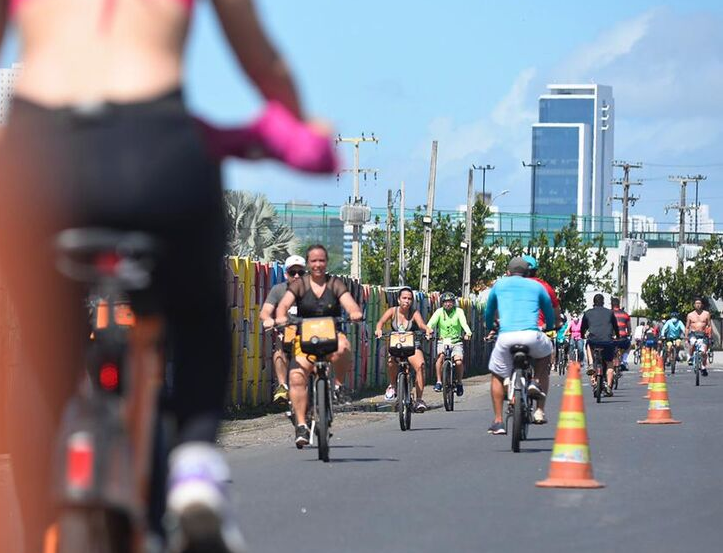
[
  {"x": 616, "y": 378},
  {"x": 696, "y": 367},
  {"x": 517, "y": 420},
  {"x": 563, "y": 366},
  {"x": 94, "y": 530},
  {"x": 673, "y": 360},
  {"x": 403, "y": 407},
  {"x": 322, "y": 419},
  {"x": 599, "y": 386},
  {"x": 636, "y": 356},
  {"x": 448, "y": 385},
  {"x": 710, "y": 356}
]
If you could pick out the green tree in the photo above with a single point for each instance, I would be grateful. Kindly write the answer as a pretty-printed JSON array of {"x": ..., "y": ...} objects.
[
  {"x": 674, "y": 289},
  {"x": 254, "y": 229},
  {"x": 572, "y": 265},
  {"x": 568, "y": 263}
]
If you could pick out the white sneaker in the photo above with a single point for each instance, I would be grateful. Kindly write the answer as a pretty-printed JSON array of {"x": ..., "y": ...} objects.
[
  {"x": 391, "y": 393},
  {"x": 539, "y": 416},
  {"x": 199, "y": 515},
  {"x": 534, "y": 391}
]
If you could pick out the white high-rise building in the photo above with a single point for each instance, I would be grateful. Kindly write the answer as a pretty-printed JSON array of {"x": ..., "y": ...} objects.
[
  {"x": 572, "y": 154},
  {"x": 636, "y": 223},
  {"x": 705, "y": 223},
  {"x": 8, "y": 76}
]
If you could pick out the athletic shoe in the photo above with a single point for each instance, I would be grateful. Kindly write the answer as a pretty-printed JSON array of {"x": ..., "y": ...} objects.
[
  {"x": 199, "y": 516},
  {"x": 438, "y": 387},
  {"x": 420, "y": 406},
  {"x": 281, "y": 395},
  {"x": 460, "y": 389},
  {"x": 303, "y": 436},
  {"x": 342, "y": 395},
  {"x": 590, "y": 370},
  {"x": 608, "y": 391},
  {"x": 534, "y": 391},
  {"x": 538, "y": 417},
  {"x": 497, "y": 429},
  {"x": 391, "y": 393},
  {"x": 623, "y": 367},
  {"x": 704, "y": 371},
  {"x": 690, "y": 361}
]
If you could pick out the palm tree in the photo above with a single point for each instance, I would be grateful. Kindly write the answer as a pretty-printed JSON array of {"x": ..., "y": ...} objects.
[{"x": 254, "y": 228}]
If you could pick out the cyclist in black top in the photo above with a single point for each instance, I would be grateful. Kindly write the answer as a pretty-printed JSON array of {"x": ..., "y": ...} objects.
[
  {"x": 316, "y": 295},
  {"x": 602, "y": 327},
  {"x": 405, "y": 318}
]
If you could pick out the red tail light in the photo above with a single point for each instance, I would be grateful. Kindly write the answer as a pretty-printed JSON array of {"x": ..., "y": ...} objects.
[
  {"x": 79, "y": 461},
  {"x": 107, "y": 263},
  {"x": 109, "y": 377}
]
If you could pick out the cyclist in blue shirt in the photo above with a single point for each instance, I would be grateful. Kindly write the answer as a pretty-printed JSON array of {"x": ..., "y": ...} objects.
[
  {"x": 672, "y": 334},
  {"x": 517, "y": 300}
]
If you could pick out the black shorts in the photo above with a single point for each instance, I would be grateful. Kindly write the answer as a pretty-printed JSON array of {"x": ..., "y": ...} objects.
[{"x": 133, "y": 166}]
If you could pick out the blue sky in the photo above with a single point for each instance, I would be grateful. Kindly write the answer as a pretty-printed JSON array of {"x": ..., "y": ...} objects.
[{"x": 468, "y": 74}]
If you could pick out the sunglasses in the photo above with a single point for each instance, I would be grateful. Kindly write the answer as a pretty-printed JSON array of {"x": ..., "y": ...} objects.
[{"x": 296, "y": 272}]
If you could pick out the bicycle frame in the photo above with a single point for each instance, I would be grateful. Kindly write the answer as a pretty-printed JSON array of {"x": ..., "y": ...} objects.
[{"x": 108, "y": 438}]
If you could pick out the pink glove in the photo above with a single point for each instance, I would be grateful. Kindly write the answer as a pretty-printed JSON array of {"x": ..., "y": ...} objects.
[{"x": 277, "y": 134}]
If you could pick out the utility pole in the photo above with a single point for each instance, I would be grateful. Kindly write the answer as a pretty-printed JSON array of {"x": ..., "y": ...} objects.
[
  {"x": 355, "y": 213},
  {"x": 682, "y": 208},
  {"x": 697, "y": 207},
  {"x": 402, "y": 255},
  {"x": 388, "y": 256},
  {"x": 427, "y": 221},
  {"x": 627, "y": 200},
  {"x": 467, "y": 244},
  {"x": 484, "y": 169},
  {"x": 534, "y": 166}
]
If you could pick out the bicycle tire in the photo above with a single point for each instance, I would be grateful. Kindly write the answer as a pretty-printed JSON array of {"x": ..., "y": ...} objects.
[
  {"x": 599, "y": 386},
  {"x": 94, "y": 530},
  {"x": 616, "y": 379},
  {"x": 710, "y": 355},
  {"x": 673, "y": 360},
  {"x": 563, "y": 366},
  {"x": 447, "y": 386},
  {"x": 527, "y": 418},
  {"x": 402, "y": 402},
  {"x": 517, "y": 420},
  {"x": 696, "y": 367},
  {"x": 322, "y": 419}
]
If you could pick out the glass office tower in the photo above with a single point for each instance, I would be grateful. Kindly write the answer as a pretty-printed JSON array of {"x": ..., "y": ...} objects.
[{"x": 573, "y": 143}]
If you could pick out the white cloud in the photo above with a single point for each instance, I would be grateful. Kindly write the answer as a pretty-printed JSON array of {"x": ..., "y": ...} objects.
[{"x": 607, "y": 48}]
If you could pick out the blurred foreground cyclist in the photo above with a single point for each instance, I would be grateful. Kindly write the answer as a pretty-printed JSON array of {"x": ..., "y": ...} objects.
[{"x": 98, "y": 135}]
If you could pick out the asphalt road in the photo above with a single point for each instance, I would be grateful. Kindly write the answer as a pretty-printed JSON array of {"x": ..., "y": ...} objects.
[{"x": 447, "y": 485}]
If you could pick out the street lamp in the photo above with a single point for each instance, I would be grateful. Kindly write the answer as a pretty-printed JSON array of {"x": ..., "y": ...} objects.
[{"x": 484, "y": 169}]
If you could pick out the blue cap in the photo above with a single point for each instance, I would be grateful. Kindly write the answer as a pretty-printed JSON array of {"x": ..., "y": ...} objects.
[{"x": 531, "y": 261}]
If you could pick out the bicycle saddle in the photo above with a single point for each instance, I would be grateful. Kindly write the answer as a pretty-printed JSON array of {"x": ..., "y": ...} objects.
[{"x": 519, "y": 348}]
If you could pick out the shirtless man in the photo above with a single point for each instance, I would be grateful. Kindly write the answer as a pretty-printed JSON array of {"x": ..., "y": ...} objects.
[{"x": 698, "y": 326}]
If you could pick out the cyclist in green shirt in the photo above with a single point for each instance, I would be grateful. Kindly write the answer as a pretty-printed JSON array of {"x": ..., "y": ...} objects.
[{"x": 450, "y": 322}]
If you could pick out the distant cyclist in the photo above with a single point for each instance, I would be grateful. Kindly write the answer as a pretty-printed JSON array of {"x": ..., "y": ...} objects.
[
  {"x": 624, "y": 332},
  {"x": 294, "y": 268},
  {"x": 577, "y": 342},
  {"x": 698, "y": 326},
  {"x": 404, "y": 318},
  {"x": 517, "y": 300},
  {"x": 316, "y": 294},
  {"x": 602, "y": 328},
  {"x": 543, "y": 376},
  {"x": 673, "y": 333},
  {"x": 450, "y": 323}
]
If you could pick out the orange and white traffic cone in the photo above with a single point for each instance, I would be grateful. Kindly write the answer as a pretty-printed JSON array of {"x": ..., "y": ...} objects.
[
  {"x": 659, "y": 367},
  {"x": 647, "y": 366},
  {"x": 570, "y": 465},
  {"x": 659, "y": 406}
]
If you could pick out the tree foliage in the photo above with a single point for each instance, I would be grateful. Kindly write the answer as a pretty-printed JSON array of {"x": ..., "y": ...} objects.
[
  {"x": 568, "y": 263},
  {"x": 674, "y": 289},
  {"x": 254, "y": 229}
]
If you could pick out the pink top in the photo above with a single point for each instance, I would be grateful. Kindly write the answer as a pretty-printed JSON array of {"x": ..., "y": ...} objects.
[{"x": 575, "y": 328}]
